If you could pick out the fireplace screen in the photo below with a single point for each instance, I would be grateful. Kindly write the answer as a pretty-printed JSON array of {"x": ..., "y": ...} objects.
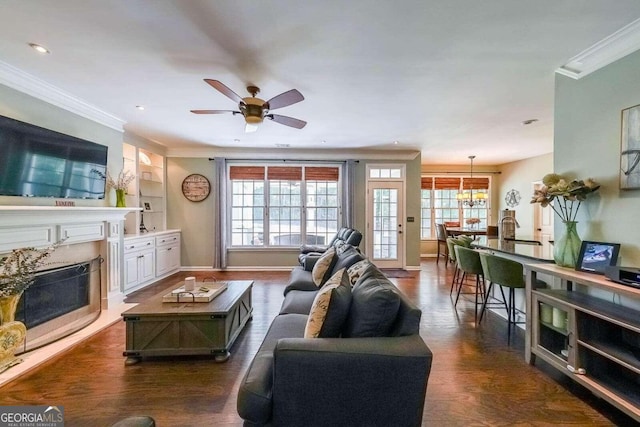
[{"x": 55, "y": 293}]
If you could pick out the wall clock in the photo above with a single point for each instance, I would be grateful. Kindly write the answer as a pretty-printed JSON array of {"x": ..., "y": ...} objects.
[
  {"x": 512, "y": 198},
  {"x": 196, "y": 187}
]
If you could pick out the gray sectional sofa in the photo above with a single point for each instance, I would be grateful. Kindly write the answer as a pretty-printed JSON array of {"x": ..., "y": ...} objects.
[{"x": 374, "y": 373}]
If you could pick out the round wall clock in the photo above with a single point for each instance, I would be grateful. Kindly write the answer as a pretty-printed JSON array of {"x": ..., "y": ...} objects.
[
  {"x": 196, "y": 187},
  {"x": 512, "y": 198}
]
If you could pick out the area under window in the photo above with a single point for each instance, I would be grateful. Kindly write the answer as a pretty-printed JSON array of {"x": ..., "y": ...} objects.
[
  {"x": 439, "y": 203},
  {"x": 276, "y": 206}
]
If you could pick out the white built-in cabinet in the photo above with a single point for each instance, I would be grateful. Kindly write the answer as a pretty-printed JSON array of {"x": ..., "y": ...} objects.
[{"x": 150, "y": 257}]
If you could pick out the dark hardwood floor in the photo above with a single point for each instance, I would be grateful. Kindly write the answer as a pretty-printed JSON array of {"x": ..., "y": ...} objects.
[{"x": 476, "y": 378}]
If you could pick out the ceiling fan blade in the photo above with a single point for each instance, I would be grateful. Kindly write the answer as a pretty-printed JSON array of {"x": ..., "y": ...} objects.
[
  {"x": 214, "y": 111},
  {"x": 249, "y": 128},
  {"x": 285, "y": 99},
  {"x": 287, "y": 121},
  {"x": 220, "y": 87}
]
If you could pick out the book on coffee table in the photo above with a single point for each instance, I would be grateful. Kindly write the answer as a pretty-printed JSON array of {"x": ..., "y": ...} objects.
[{"x": 202, "y": 292}]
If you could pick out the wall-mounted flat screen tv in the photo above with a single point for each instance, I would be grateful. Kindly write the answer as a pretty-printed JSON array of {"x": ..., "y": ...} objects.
[{"x": 38, "y": 162}]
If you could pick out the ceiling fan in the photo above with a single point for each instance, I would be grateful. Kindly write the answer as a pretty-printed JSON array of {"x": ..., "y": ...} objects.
[{"x": 255, "y": 110}]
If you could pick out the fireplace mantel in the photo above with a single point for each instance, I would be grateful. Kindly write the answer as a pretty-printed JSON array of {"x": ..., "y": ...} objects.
[
  {"x": 12, "y": 216},
  {"x": 39, "y": 226}
]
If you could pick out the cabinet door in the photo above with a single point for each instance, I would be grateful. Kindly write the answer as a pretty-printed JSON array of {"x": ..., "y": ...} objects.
[
  {"x": 168, "y": 259},
  {"x": 131, "y": 276},
  {"x": 147, "y": 266}
]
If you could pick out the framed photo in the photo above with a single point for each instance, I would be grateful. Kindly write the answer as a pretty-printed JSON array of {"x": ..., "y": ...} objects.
[
  {"x": 147, "y": 207},
  {"x": 630, "y": 149},
  {"x": 595, "y": 257}
]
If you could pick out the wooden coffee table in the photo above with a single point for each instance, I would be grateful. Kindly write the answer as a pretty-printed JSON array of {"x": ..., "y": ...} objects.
[{"x": 156, "y": 328}]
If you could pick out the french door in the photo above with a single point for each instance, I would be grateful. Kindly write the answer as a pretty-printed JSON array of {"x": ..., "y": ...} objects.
[{"x": 385, "y": 214}]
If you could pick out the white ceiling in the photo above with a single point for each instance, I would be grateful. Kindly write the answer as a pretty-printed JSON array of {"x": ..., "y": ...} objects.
[{"x": 450, "y": 78}]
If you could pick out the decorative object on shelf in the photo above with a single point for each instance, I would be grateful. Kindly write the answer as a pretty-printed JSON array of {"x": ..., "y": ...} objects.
[
  {"x": 147, "y": 207},
  {"x": 121, "y": 201},
  {"x": 630, "y": 149},
  {"x": 196, "y": 187},
  {"x": 119, "y": 184},
  {"x": 17, "y": 272},
  {"x": 470, "y": 198},
  {"x": 567, "y": 248},
  {"x": 146, "y": 176},
  {"x": 569, "y": 195},
  {"x": 512, "y": 199}
]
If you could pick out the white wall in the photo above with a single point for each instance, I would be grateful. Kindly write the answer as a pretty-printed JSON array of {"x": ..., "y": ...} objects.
[
  {"x": 520, "y": 176},
  {"x": 587, "y": 144}
]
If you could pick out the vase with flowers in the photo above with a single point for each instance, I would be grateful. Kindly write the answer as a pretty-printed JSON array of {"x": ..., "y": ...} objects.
[
  {"x": 119, "y": 184},
  {"x": 17, "y": 272},
  {"x": 565, "y": 196}
]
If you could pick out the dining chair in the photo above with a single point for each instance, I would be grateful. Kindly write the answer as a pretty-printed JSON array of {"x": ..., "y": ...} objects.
[{"x": 441, "y": 235}]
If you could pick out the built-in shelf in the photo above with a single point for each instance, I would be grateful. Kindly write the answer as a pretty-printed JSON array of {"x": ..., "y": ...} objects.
[
  {"x": 600, "y": 346},
  {"x": 147, "y": 189}
]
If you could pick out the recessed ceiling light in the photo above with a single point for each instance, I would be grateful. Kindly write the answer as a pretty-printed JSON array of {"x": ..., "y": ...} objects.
[
  {"x": 324, "y": 141},
  {"x": 39, "y": 48},
  {"x": 395, "y": 142},
  {"x": 236, "y": 140},
  {"x": 529, "y": 121},
  {"x": 283, "y": 145},
  {"x": 140, "y": 107}
]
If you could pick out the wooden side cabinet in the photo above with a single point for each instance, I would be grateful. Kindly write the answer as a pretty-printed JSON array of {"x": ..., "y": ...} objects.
[{"x": 589, "y": 329}]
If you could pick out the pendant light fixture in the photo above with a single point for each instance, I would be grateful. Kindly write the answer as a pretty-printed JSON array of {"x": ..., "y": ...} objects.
[{"x": 469, "y": 198}]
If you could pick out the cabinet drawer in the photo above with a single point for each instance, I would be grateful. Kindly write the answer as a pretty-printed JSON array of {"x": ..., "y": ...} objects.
[
  {"x": 168, "y": 239},
  {"x": 137, "y": 244}
]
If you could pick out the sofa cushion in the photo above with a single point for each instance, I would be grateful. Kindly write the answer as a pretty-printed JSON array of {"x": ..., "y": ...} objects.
[
  {"x": 323, "y": 267},
  {"x": 374, "y": 306},
  {"x": 330, "y": 308},
  {"x": 296, "y": 301},
  {"x": 356, "y": 270}
]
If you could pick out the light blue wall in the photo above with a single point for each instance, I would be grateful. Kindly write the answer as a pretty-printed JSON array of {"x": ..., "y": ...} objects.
[{"x": 587, "y": 144}]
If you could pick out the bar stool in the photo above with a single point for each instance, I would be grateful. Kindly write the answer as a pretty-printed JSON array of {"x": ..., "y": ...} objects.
[
  {"x": 505, "y": 273},
  {"x": 469, "y": 263},
  {"x": 451, "y": 241}
]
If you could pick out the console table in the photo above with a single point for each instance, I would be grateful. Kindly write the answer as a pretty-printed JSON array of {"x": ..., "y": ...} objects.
[{"x": 588, "y": 329}]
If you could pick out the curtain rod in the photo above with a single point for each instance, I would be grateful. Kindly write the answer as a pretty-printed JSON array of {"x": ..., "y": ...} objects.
[
  {"x": 461, "y": 172},
  {"x": 284, "y": 160}
]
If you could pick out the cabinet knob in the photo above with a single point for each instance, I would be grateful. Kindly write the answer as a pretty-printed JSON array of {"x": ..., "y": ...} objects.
[
  {"x": 169, "y": 249},
  {"x": 132, "y": 246}
]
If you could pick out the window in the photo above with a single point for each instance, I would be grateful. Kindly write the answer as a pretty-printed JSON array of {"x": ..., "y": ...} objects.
[
  {"x": 275, "y": 206},
  {"x": 439, "y": 202}
]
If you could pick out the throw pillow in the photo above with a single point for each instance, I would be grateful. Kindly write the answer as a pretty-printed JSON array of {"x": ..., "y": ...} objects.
[
  {"x": 374, "y": 307},
  {"x": 356, "y": 270},
  {"x": 330, "y": 308},
  {"x": 323, "y": 266}
]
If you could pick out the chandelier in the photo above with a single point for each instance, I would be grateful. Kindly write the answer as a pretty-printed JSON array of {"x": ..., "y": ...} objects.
[{"x": 470, "y": 198}]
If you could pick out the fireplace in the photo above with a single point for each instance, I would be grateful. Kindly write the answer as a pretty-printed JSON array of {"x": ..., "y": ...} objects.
[{"x": 60, "y": 301}]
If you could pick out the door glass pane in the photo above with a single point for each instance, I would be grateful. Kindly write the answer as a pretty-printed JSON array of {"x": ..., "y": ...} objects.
[{"x": 385, "y": 223}]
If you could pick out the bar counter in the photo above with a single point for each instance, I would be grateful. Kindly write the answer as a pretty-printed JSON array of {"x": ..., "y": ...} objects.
[{"x": 520, "y": 247}]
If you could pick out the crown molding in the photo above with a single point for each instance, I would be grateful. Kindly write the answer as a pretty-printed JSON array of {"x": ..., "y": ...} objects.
[
  {"x": 610, "y": 49},
  {"x": 19, "y": 80},
  {"x": 295, "y": 154}
]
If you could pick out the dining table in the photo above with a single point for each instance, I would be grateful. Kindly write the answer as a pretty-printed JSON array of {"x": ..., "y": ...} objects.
[{"x": 466, "y": 231}]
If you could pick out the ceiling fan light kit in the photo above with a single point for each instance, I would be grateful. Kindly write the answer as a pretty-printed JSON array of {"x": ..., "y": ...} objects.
[{"x": 254, "y": 110}]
